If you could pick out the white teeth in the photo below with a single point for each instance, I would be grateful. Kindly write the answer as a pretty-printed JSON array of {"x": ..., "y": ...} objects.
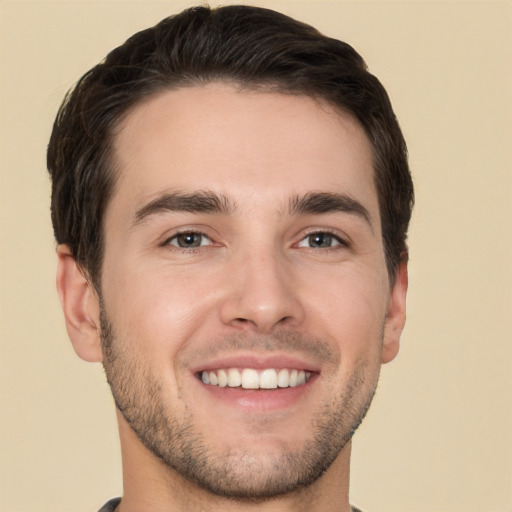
[
  {"x": 268, "y": 379},
  {"x": 283, "y": 378},
  {"x": 223, "y": 378},
  {"x": 249, "y": 378},
  {"x": 234, "y": 378}
]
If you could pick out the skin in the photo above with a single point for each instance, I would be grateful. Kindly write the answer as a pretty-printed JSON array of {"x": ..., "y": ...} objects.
[{"x": 255, "y": 291}]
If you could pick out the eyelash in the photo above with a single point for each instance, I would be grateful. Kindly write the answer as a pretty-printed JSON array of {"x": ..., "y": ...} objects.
[
  {"x": 340, "y": 242},
  {"x": 168, "y": 241}
]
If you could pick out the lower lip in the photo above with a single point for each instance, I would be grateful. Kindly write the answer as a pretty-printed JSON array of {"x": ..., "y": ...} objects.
[{"x": 259, "y": 399}]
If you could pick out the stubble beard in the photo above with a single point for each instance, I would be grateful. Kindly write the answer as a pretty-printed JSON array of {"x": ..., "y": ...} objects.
[{"x": 235, "y": 474}]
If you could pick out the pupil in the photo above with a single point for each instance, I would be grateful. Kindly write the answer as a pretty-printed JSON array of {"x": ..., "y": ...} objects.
[
  {"x": 320, "y": 240},
  {"x": 189, "y": 240}
]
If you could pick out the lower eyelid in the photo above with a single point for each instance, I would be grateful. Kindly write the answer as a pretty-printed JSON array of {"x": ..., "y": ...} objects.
[{"x": 336, "y": 238}]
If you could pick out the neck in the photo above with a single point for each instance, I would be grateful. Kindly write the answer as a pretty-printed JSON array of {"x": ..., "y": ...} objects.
[{"x": 150, "y": 485}]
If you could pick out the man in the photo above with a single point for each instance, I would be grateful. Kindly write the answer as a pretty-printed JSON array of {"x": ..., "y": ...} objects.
[{"x": 231, "y": 197}]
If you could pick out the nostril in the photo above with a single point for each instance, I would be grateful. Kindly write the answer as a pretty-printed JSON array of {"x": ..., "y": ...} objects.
[
  {"x": 248, "y": 323},
  {"x": 243, "y": 322}
]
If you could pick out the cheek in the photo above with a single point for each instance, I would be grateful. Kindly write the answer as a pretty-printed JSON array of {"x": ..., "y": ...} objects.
[
  {"x": 159, "y": 311},
  {"x": 351, "y": 307}
]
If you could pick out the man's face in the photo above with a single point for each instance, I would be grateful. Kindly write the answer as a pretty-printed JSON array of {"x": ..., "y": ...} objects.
[{"x": 243, "y": 242}]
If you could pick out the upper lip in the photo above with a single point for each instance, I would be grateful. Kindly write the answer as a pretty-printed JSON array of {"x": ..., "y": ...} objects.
[{"x": 258, "y": 362}]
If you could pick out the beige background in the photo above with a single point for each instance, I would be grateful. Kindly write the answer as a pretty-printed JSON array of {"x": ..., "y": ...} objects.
[{"x": 439, "y": 436}]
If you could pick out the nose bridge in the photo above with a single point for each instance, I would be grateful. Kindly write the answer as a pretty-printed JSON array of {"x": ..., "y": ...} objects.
[{"x": 263, "y": 292}]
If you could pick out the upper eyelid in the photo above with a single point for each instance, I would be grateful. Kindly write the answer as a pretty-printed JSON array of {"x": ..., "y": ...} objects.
[
  {"x": 340, "y": 244},
  {"x": 340, "y": 236},
  {"x": 168, "y": 239},
  {"x": 343, "y": 238},
  {"x": 173, "y": 233}
]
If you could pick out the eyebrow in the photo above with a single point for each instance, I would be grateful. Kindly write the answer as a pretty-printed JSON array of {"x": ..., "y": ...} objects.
[
  {"x": 314, "y": 203},
  {"x": 197, "y": 202},
  {"x": 328, "y": 202}
]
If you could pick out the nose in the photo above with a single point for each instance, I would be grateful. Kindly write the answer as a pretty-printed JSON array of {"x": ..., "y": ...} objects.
[{"x": 262, "y": 295}]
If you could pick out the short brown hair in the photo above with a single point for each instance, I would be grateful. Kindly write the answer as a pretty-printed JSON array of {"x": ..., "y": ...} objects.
[{"x": 251, "y": 46}]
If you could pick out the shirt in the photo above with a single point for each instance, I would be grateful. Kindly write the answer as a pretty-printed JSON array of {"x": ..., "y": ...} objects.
[{"x": 111, "y": 505}]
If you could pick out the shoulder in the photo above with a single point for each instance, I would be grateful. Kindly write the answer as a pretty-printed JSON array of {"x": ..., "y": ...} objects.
[{"x": 111, "y": 505}]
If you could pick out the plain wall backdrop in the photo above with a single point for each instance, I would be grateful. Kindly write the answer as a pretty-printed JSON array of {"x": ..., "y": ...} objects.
[{"x": 439, "y": 435}]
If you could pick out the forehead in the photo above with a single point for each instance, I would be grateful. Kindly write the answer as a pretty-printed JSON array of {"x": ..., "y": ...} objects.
[{"x": 257, "y": 148}]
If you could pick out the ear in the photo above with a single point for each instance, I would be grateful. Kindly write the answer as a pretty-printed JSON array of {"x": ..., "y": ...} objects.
[
  {"x": 395, "y": 319},
  {"x": 81, "y": 307}
]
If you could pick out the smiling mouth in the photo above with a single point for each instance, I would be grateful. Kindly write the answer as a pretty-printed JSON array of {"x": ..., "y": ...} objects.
[{"x": 249, "y": 378}]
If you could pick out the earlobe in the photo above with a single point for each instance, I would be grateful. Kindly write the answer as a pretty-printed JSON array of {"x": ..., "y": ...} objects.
[
  {"x": 395, "y": 320},
  {"x": 80, "y": 304}
]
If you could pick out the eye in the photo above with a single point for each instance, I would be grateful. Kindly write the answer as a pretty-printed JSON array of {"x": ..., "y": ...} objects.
[
  {"x": 189, "y": 240},
  {"x": 321, "y": 240}
]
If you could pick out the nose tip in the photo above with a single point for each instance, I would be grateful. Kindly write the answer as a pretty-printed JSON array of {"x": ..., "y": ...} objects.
[{"x": 262, "y": 298}]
